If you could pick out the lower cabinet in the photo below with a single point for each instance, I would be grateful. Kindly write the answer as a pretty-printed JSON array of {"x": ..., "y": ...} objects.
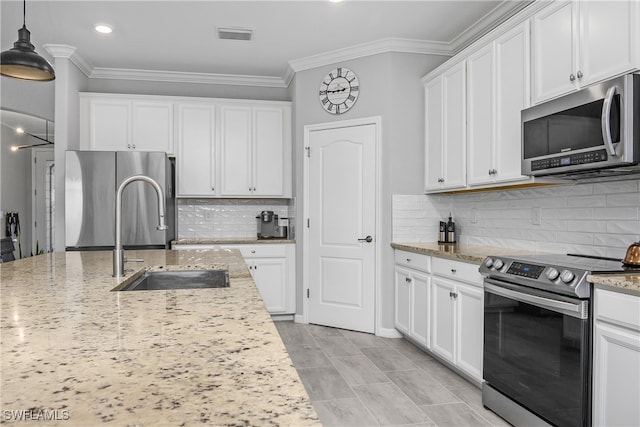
[
  {"x": 616, "y": 366},
  {"x": 272, "y": 267},
  {"x": 439, "y": 306}
]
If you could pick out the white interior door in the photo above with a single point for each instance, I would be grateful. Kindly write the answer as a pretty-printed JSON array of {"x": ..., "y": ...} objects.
[
  {"x": 342, "y": 167},
  {"x": 43, "y": 196}
]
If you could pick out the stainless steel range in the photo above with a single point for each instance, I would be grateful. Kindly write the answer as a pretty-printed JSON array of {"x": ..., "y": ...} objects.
[{"x": 537, "y": 337}]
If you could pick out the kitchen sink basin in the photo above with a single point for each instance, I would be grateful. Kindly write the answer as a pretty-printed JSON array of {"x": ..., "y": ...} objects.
[{"x": 183, "y": 279}]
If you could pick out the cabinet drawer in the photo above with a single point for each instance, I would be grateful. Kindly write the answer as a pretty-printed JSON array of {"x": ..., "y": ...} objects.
[
  {"x": 618, "y": 308},
  {"x": 413, "y": 260},
  {"x": 457, "y": 270},
  {"x": 260, "y": 250}
]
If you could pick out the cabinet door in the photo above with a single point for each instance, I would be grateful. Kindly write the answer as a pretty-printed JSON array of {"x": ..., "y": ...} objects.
[
  {"x": 555, "y": 37},
  {"x": 469, "y": 333},
  {"x": 196, "y": 150},
  {"x": 607, "y": 38},
  {"x": 442, "y": 318},
  {"x": 420, "y": 291},
  {"x": 268, "y": 152},
  {"x": 235, "y": 149},
  {"x": 512, "y": 79},
  {"x": 480, "y": 116},
  {"x": 454, "y": 127},
  {"x": 152, "y": 126},
  {"x": 109, "y": 124},
  {"x": 402, "y": 300},
  {"x": 270, "y": 275},
  {"x": 433, "y": 135},
  {"x": 616, "y": 372}
]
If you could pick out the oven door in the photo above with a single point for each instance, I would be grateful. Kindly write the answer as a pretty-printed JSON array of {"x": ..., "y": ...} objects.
[{"x": 537, "y": 351}]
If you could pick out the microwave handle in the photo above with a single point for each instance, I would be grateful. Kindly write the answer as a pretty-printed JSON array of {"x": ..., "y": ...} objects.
[{"x": 605, "y": 120}]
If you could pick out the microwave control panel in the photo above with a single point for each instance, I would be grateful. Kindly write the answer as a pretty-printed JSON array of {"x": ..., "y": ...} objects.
[{"x": 569, "y": 160}]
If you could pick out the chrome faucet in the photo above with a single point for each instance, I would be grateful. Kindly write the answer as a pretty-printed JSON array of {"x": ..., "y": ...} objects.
[{"x": 118, "y": 252}]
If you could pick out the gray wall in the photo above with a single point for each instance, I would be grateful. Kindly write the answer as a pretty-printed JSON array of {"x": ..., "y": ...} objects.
[
  {"x": 187, "y": 89},
  {"x": 390, "y": 88}
]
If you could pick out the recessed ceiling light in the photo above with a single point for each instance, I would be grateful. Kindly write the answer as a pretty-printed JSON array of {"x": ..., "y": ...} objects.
[
  {"x": 335, "y": 1},
  {"x": 104, "y": 29}
]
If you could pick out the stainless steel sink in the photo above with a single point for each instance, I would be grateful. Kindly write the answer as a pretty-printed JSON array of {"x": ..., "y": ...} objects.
[{"x": 184, "y": 279}]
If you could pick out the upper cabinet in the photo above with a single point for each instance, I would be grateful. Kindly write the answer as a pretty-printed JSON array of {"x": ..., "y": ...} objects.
[
  {"x": 119, "y": 123},
  {"x": 582, "y": 42},
  {"x": 224, "y": 147},
  {"x": 445, "y": 130},
  {"x": 497, "y": 90}
]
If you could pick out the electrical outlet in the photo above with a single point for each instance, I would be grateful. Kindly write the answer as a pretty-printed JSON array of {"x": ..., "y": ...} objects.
[
  {"x": 536, "y": 217},
  {"x": 474, "y": 216}
]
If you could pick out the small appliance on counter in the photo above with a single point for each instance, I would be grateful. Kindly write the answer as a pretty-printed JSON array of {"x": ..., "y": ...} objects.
[
  {"x": 270, "y": 226},
  {"x": 447, "y": 231}
]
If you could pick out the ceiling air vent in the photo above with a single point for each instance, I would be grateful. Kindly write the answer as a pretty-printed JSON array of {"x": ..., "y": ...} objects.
[{"x": 235, "y": 33}]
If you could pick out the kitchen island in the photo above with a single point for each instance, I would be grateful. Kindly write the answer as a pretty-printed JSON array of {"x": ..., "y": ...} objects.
[{"x": 76, "y": 353}]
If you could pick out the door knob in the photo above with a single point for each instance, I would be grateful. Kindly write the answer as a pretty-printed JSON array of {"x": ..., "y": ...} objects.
[{"x": 367, "y": 239}]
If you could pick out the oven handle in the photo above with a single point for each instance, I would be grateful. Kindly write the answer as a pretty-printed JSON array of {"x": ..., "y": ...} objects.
[
  {"x": 605, "y": 120},
  {"x": 578, "y": 310}
]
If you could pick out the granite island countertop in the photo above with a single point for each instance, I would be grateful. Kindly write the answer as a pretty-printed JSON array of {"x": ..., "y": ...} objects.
[
  {"x": 229, "y": 241},
  {"x": 75, "y": 353}
]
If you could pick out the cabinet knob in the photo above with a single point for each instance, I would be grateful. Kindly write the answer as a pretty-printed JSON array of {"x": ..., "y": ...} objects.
[
  {"x": 129, "y": 146},
  {"x": 572, "y": 78},
  {"x": 453, "y": 270},
  {"x": 408, "y": 259},
  {"x": 408, "y": 280},
  {"x": 440, "y": 179},
  {"x": 213, "y": 189},
  {"x": 253, "y": 251},
  {"x": 455, "y": 295},
  {"x": 579, "y": 74},
  {"x": 134, "y": 146}
]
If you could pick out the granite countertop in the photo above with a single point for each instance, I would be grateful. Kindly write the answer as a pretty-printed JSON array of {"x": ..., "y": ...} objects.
[
  {"x": 78, "y": 354},
  {"x": 469, "y": 253},
  {"x": 229, "y": 241},
  {"x": 629, "y": 283}
]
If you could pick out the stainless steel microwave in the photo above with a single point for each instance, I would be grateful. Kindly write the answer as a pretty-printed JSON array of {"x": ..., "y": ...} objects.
[{"x": 589, "y": 133}]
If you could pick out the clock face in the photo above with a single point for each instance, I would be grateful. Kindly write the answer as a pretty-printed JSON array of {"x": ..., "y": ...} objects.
[{"x": 339, "y": 91}]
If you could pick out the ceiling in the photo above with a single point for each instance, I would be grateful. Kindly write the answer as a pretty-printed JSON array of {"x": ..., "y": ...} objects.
[{"x": 179, "y": 38}]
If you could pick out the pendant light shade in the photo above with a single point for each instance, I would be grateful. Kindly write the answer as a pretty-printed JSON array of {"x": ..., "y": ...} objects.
[{"x": 22, "y": 61}]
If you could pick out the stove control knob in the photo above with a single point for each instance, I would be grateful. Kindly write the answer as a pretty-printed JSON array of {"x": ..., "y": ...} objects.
[
  {"x": 566, "y": 276},
  {"x": 498, "y": 264},
  {"x": 552, "y": 274},
  {"x": 488, "y": 262}
]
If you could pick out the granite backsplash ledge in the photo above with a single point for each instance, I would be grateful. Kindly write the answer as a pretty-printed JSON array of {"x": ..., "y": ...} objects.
[{"x": 227, "y": 218}]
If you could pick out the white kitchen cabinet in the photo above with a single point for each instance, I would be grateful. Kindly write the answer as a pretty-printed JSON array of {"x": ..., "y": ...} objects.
[
  {"x": 412, "y": 289},
  {"x": 445, "y": 130},
  {"x": 497, "y": 90},
  {"x": 121, "y": 123},
  {"x": 254, "y": 150},
  {"x": 457, "y": 315},
  {"x": 196, "y": 158},
  {"x": 580, "y": 42},
  {"x": 272, "y": 267},
  {"x": 616, "y": 389}
]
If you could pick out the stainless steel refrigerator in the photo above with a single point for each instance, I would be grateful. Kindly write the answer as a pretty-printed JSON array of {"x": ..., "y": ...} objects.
[{"x": 91, "y": 181}]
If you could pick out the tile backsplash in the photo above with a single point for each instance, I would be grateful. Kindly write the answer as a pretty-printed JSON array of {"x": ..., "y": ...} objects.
[
  {"x": 594, "y": 218},
  {"x": 222, "y": 218}
]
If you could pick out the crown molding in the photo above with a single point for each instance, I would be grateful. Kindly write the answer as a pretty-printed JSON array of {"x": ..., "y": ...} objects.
[
  {"x": 371, "y": 48},
  {"x": 186, "y": 77},
  {"x": 70, "y": 53},
  {"x": 487, "y": 23}
]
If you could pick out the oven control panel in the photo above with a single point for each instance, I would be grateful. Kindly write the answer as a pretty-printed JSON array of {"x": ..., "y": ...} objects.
[{"x": 531, "y": 271}]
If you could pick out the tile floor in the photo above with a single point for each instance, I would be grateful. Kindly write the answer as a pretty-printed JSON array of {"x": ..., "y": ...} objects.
[{"x": 356, "y": 379}]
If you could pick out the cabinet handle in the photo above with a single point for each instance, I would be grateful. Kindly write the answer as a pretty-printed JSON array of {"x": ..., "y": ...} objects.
[
  {"x": 579, "y": 74},
  {"x": 450, "y": 294},
  {"x": 440, "y": 179},
  {"x": 129, "y": 146},
  {"x": 253, "y": 251},
  {"x": 407, "y": 279},
  {"x": 453, "y": 270},
  {"x": 572, "y": 78},
  {"x": 455, "y": 295},
  {"x": 134, "y": 146}
]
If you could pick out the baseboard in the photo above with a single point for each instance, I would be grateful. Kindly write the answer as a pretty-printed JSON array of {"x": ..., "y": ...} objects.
[
  {"x": 299, "y": 318},
  {"x": 388, "y": 333}
]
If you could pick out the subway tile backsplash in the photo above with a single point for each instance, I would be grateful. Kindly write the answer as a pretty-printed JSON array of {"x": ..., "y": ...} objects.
[
  {"x": 226, "y": 218},
  {"x": 594, "y": 218}
]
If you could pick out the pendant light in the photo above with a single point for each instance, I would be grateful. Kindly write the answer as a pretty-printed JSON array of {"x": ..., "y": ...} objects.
[
  {"x": 21, "y": 131},
  {"x": 22, "y": 61}
]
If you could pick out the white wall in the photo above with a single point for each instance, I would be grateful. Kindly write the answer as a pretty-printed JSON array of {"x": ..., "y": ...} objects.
[
  {"x": 391, "y": 88},
  {"x": 593, "y": 218}
]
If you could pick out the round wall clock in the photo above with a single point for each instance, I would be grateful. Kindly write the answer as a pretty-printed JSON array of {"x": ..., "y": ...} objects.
[{"x": 339, "y": 90}]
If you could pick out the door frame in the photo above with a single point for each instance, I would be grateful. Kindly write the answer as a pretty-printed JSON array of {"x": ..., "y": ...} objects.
[
  {"x": 34, "y": 166},
  {"x": 377, "y": 122}
]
